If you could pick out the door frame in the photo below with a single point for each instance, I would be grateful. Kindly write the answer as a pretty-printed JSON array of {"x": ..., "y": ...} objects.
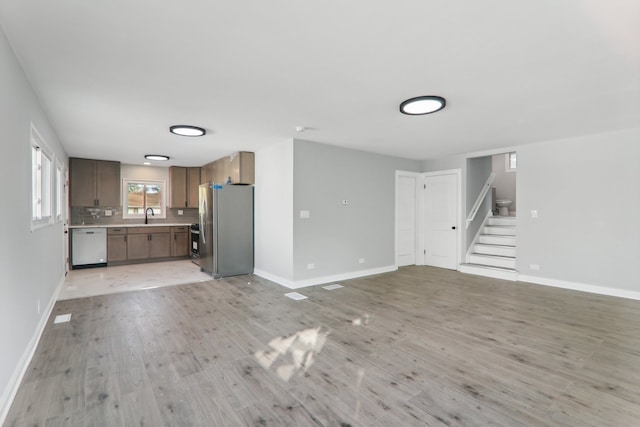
[
  {"x": 422, "y": 215},
  {"x": 417, "y": 226},
  {"x": 65, "y": 224}
]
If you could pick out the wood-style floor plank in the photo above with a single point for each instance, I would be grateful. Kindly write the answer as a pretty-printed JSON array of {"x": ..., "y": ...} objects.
[{"x": 421, "y": 346}]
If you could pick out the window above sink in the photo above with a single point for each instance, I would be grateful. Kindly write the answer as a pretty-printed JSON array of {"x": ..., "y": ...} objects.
[{"x": 140, "y": 195}]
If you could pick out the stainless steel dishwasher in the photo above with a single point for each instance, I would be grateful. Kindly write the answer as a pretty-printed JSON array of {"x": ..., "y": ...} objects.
[{"x": 88, "y": 247}]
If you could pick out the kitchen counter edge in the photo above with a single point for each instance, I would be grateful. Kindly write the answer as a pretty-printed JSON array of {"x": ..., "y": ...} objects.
[{"x": 130, "y": 225}]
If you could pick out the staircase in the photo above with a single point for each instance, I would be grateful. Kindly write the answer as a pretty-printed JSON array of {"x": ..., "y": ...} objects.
[{"x": 493, "y": 253}]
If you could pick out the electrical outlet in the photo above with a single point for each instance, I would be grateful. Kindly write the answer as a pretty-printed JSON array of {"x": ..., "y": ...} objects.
[
  {"x": 534, "y": 267},
  {"x": 108, "y": 212},
  {"x": 180, "y": 212},
  {"x": 361, "y": 261},
  {"x": 305, "y": 214},
  {"x": 534, "y": 214},
  {"x": 311, "y": 266}
]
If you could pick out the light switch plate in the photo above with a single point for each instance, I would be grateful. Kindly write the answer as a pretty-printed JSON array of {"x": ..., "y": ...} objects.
[
  {"x": 534, "y": 213},
  {"x": 305, "y": 214}
]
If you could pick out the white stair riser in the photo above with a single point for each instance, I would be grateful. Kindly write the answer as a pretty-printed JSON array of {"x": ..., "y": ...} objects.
[
  {"x": 509, "y": 251},
  {"x": 497, "y": 220},
  {"x": 497, "y": 240},
  {"x": 489, "y": 272},
  {"x": 494, "y": 262},
  {"x": 503, "y": 231}
]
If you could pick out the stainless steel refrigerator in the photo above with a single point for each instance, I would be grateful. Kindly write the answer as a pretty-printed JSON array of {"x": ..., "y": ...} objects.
[{"x": 226, "y": 229}]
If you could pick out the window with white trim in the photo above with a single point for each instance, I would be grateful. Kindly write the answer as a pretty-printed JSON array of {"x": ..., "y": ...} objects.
[
  {"x": 138, "y": 196},
  {"x": 59, "y": 192},
  {"x": 41, "y": 182},
  {"x": 510, "y": 162}
]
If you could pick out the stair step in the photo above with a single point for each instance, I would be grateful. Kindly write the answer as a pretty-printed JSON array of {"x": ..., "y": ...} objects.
[
  {"x": 489, "y": 239},
  {"x": 501, "y": 250},
  {"x": 486, "y": 271},
  {"x": 502, "y": 220},
  {"x": 493, "y": 260},
  {"x": 501, "y": 230}
]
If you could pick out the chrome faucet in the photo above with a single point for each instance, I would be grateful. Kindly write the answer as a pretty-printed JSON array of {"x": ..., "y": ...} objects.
[{"x": 146, "y": 215}]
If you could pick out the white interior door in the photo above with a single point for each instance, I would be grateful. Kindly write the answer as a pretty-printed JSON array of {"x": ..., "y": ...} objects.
[
  {"x": 66, "y": 215},
  {"x": 406, "y": 218},
  {"x": 441, "y": 220}
]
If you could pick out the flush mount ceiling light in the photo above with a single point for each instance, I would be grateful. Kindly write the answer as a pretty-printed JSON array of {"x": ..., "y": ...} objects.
[
  {"x": 159, "y": 157},
  {"x": 422, "y": 105},
  {"x": 186, "y": 130}
]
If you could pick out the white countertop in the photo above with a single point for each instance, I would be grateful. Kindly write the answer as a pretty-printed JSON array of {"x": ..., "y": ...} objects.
[{"x": 129, "y": 225}]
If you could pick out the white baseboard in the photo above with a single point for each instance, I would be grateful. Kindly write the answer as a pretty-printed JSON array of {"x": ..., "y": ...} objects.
[
  {"x": 21, "y": 369},
  {"x": 272, "y": 277},
  {"x": 575, "y": 286},
  {"x": 297, "y": 284}
]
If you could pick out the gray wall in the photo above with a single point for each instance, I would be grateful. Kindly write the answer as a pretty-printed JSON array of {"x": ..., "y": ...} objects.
[
  {"x": 478, "y": 170},
  {"x": 505, "y": 182},
  {"x": 31, "y": 265},
  {"x": 274, "y": 213},
  {"x": 336, "y": 236},
  {"x": 587, "y": 194}
]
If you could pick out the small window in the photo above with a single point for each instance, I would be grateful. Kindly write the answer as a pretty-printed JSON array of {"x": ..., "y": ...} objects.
[
  {"x": 41, "y": 181},
  {"x": 510, "y": 161},
  {"x": 142, "y": 195}
]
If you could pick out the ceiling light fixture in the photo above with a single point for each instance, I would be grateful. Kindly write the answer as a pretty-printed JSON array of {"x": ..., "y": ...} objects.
[
  {"x": 158, "y": 157},
  {"x": 187, "y": 130},
  {"x": 422, "y": 105}
]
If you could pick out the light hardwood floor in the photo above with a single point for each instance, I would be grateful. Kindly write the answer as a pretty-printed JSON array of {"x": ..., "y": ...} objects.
[
  {"x": 90, "y": 282},
  {"x": 420, "y": 346}
]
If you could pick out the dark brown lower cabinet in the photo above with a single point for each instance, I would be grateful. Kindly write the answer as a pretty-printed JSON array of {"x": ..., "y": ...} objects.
[
  {"x": 147, "y": 242},
  {"x": 116, "y": 244},
  {"x": 180, "y": 241},
  {"x": 140, "y": 243}
]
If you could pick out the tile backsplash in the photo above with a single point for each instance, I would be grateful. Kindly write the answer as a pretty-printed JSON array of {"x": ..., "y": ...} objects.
[{"x": 97, "y": 216}]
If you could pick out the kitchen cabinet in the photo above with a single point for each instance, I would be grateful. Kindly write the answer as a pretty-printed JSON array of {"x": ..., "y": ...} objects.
[
  {"x": 239, "y": 168},
  {"x": 127, "y": 245},
  {"x": 94, "y": 183},
  {"x": 206, "y": 173},
  {"x": 146, "y": 243},
  {"x": 180, "y": 241},
  {"x": 137, "y": 246},
  {"x": 159, "y": 245},
  {"x": 116, "y": 244},
  {"x": 193, "y": 182},
  {"x": 184, "y": 187}
]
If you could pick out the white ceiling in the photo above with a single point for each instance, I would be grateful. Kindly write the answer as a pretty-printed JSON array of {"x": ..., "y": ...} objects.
[{"x": 114, "y": 75}]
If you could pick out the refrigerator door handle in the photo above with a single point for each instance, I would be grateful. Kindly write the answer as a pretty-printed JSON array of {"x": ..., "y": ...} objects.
[{"x": 203, "y": 222}]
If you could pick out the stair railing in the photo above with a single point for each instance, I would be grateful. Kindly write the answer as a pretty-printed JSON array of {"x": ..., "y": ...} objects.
[{"x": 480, "y": 199}]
